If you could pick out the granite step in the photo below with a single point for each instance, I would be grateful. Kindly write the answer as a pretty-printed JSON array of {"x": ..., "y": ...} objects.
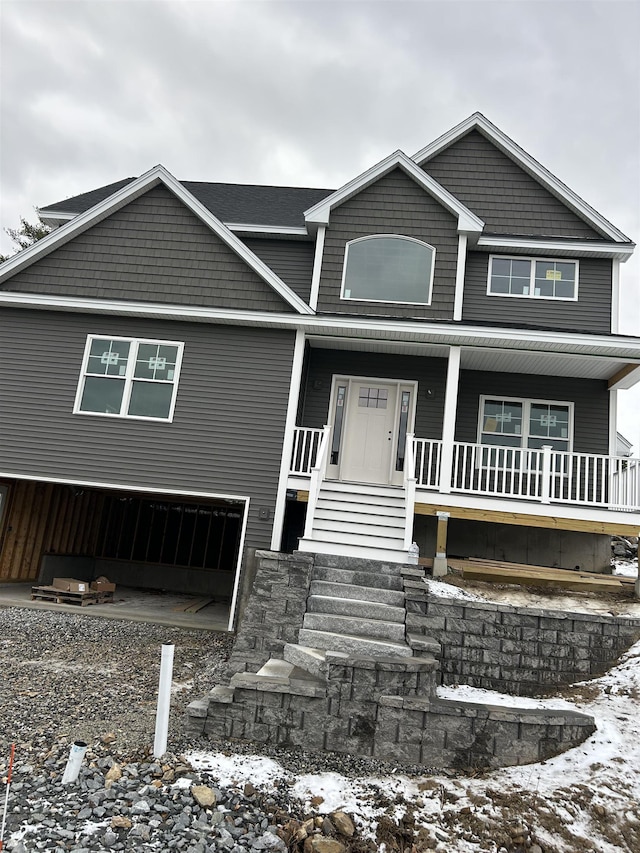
[
  {"x": 353, "y": 645},
  {"x": 374, "y": 628},
  {"x": 306, "y": 658},
  {"x": 363, "y": 578},
  {"x": 359, "y": 608},
  {"x": 362, "y": 593}
]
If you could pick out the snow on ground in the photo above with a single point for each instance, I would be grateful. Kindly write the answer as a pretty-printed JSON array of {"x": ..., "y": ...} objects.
[
  {"x": 587, "y": 799},
  {"x": 627, "y": 568}
]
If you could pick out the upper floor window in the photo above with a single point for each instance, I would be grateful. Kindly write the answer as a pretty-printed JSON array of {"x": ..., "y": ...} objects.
[
  {"x": 129, "y": 378},
  {"x": 535, "y": 278},
  {"x": 388, "y": 268}
]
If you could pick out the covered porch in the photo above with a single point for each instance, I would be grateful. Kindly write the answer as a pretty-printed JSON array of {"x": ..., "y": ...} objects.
[{"x": 524, "y": 438}]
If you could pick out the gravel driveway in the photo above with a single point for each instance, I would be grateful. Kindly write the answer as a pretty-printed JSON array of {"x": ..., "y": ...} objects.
[{"x": 67, "y": 677}]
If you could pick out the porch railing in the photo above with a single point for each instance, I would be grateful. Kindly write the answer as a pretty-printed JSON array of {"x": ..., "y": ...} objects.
[
  {"x": 318, "y": 473},
  {"x": 306, "y": 442},
  {"x": 544, "y": 475},
  {"x": 427, "y": 454}
]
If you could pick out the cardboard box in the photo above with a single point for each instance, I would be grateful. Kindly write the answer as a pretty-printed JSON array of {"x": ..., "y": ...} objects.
[
  {"x": 70, "y": 585},
  {"x": 102, "y": 584}
]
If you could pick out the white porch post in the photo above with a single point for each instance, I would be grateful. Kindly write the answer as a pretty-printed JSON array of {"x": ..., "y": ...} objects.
[
  {"x": 449, "y": 419},
  {"x": 287, "y": 441}
]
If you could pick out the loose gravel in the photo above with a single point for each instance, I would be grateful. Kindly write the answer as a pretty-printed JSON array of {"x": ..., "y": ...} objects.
[{"x": 68, "y": 677}]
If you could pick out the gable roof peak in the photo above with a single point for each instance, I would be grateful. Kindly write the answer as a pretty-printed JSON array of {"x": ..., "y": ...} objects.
[
  {"x": 478, "y": 121},
  {"x": 468, "y": 222},
  {"x": 152, "y": 178}
]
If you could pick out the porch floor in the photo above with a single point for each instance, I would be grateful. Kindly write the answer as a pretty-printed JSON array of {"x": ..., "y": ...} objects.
[{"x": 132, "y": 605}]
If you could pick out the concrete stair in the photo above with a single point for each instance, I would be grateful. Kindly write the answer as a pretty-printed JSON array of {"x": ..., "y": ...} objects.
[{"x": 358, "y": 520}]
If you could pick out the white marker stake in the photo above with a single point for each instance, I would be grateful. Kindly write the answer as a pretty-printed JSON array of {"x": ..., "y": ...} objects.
[{"x": 164, "y": 701}]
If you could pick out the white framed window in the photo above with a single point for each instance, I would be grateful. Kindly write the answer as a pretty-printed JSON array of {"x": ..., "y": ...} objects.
[
  {"x": 388, "y": 268},
  {"x": 533, "y": 278},
  {"x": 518, "y": 422},
  {"x": 129, "y": 378}
]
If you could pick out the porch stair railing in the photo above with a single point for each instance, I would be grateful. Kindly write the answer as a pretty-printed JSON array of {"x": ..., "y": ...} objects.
[
  {"x": 318, "y": 473},
  {"x": 409, "y": 488}
]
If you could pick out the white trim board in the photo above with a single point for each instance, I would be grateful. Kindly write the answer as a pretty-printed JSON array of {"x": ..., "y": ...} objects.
[
  {"x": 570, "y": 248},
  {"x": 555, "y": 186},
  {"x": 154, "y": 177},
  {"x": 523, "y": 507},
  {"x": 618, "y": 346}
]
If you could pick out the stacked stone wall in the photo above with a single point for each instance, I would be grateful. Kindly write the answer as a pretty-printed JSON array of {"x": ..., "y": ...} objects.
[
  {"x": 388, "y": 709},
  {"x": 519, "y": 650},
  {"x": 274, "y": 612}
]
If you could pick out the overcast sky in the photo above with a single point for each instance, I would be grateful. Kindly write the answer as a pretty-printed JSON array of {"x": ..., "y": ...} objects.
[{"x": 312, "y": 93}]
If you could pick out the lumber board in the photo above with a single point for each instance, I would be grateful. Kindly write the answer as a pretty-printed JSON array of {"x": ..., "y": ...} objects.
[
  {"x": 568, "y": 580},
  {"x": 503, "y": 564},
  {"x": 555, "y": 522}
]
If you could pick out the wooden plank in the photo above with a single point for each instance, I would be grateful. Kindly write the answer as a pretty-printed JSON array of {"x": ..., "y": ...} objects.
[
  {"x": 569, "y": 580},
  {"x": 542, "y": 569},
  {"x": 620, "y": 375},
  {"x": 607, "y": 528}
]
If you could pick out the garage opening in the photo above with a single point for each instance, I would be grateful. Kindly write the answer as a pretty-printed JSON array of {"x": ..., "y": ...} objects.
[
  {"x": 186, "y": 535},
  {"x": 187, "y": 545}
]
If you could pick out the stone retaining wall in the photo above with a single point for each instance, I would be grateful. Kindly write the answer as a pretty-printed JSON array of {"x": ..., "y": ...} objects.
[
  {"x": 387, "y": 708},
  {"x": 519, "y": 650},
  {"x": 274, "y": 612}
]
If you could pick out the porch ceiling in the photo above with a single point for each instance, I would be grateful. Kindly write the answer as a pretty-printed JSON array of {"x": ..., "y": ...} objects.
[{"x": 489, "y": 359}]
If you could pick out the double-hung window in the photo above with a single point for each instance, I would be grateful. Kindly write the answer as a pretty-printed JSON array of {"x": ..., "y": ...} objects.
[
  {"x": 514, "y": 422},
  {"x": 388, "y": 268},
  {"x": 129, "y": 378},
  {"x": 533, "y": 278}
]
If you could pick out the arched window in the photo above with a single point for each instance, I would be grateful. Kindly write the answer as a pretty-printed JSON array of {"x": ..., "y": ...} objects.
[{"x": 388, "y": 268}]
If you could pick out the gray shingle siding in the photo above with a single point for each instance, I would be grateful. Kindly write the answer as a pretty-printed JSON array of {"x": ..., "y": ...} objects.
[
  {"x": 226, "y": 436},
  {"x": 591, "y": 312},
  {"x": 430, "y": 373},
  {"x": 501, "y": 193},
  {"x": 395, "y": 204},
  {"x": 591, "y": 398},
  {"x": 291, "y": 260},
  {"x": 153, "y": 250}
]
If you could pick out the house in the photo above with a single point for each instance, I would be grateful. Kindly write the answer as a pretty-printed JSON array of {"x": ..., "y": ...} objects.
[
  {"x": 193, "y": 371},
  {"x": 623, "y": 445}
]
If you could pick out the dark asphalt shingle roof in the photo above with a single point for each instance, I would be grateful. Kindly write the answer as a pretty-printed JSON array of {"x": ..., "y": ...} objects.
[{"x": 236, "y": 203}]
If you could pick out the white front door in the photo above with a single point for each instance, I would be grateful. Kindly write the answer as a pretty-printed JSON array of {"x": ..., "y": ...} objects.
[{"x": 370, "y": 432}]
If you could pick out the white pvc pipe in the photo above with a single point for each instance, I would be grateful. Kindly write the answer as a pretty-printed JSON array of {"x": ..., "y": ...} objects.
[
  {"x": 164, "y": 701},
  {"x": 74, "y": 762}
]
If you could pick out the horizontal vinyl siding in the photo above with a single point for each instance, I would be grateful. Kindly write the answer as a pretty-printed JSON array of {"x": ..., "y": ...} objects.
[
  {"x": 395, "y": 204},
  {"x": 591, "y": 312},
  {"x": 429, "y": 373},
  {"x": 154, "y": 250},
  {"x": 227, "y": 432},
  {"x": 591, "y": 398},
  {"x": 502, "y": 194},
  {"x": 290, "y": 260}
]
